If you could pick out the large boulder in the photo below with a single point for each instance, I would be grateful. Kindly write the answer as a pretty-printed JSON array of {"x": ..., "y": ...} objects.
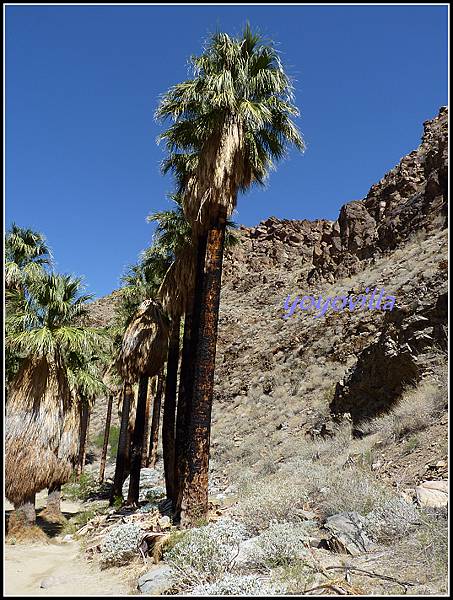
[
  {"x": 157, "y": 581},
  {"x": 433, "y": 494}
]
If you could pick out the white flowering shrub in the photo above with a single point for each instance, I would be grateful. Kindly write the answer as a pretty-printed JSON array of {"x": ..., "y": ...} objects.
[
  {"x": 279, "y": 498},
  {"x": 392, "y": 519},
  {"x": 282, "y": 544},
  {"x": 239, "y": 585},
  {"x": 205, "y": 554},
  {"x": 120, "y": 545}
]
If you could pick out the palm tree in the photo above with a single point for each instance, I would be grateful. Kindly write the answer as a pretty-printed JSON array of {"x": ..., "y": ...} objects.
[
  {"x": 143, "y": 352},
  {"x": 85, "y": 379},
  {"x": 26, "y": 255},
  {"x": 154, "y": 433},
  {"x": 43, "y": 331},
  {"x": 235, "y": 115}
]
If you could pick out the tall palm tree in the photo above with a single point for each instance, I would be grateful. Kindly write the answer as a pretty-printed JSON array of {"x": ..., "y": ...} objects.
[
  {"x": 43, "y": 331},
  {"x": 26, "y": 255},
  {"x": 236, "y": 116}
]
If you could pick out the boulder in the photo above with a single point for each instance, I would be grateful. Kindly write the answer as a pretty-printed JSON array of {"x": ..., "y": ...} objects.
[
  {"x": 433, "y": 494},
  {"x": 157, "y": 581},
  {"x": 348, "y": 533}
]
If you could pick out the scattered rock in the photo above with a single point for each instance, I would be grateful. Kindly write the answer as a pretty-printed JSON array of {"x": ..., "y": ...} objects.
[
  {"x": 149, "y": 479},
  {"x": 51, "y": 581}
]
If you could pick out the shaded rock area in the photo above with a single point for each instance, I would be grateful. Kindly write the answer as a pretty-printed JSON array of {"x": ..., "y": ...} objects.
[
  {"x": 348, "y": 533},
  {"x": 398, "y": 358}
]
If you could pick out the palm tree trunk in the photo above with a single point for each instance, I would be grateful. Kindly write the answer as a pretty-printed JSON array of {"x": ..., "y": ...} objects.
[
  {"x": 84, "y": 426},
  {"x": 123, "y": 443},
  {"x": 154, "y": 436},
  {"x": 54, "y": 498},
  {"x": 186, "y": 379},
  {"x": 195, "y": 494},
  {"x": 146, "y": 434},
  {"x": 25, "y": 513},
  {"x": 106, "y": 438},
  {"x": 169, "y": 416},
  {"x": 137, "y": 443}
]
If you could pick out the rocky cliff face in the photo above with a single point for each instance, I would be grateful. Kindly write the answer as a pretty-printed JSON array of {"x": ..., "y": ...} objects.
[{"x": 299, "y": 370}]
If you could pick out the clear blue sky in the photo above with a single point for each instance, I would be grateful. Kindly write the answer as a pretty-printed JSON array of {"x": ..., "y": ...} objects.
[{"x": 82, "y": 84}]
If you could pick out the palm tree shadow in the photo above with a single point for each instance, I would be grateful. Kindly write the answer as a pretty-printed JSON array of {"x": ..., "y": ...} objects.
[{"x": 51, "y": 529}]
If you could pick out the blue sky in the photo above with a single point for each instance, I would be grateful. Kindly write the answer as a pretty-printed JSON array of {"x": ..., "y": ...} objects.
[{"x": 82, "y": 84}]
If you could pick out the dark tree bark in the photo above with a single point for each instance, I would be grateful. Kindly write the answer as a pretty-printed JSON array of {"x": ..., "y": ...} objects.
[
  {"x": 106, "y": 438},
  {"x": 195, "y": 494},
  {"x": 25, "y": 513},
  {"x": 84, "y": 427},
  {"x": 169, "y": 416},
  {"x": 137, "y": 443},
  {"x": 123, "y": 443},
  {"x": 146, "y": 433},
  {"x": 186, "y": 379},
  {"x": 154, "y": 435}
]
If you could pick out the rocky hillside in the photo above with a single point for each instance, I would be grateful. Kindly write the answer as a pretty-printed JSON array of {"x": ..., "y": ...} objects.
[{"x": 351, "y": 403}]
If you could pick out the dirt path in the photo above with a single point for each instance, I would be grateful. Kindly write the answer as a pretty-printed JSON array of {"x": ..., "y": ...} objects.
[{"x": 60, "y": 566}]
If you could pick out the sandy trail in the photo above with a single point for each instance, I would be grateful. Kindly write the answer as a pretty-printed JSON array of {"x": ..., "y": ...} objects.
[{"x": 27, "y": 565}]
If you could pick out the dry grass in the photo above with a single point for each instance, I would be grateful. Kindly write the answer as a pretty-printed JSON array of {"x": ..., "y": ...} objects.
[
  {"x": 417, "y": 409},
  {"x": 18, "y": 533}
]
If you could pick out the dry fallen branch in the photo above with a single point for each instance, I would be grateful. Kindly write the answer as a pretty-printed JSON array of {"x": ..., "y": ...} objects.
[{"x": 403, "y": 584}]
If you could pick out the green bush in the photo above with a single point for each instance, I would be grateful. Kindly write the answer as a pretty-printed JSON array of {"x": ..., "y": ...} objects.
[
  {"x": 114, "y": 435},
  {"x": 80, "y": 488}
]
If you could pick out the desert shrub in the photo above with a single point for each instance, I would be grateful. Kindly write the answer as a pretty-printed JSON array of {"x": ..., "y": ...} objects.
[
  {"x": 392, "y": 519},
  {"x": 120, "y": 545},
  {"x": 80, "y": 519},
  {"x": 114, "y": 437},
  {"x": 276, "y": 498},
  {"x": 415, "y": 411},
  {"x": 204, "y": 555},
  {"x": 80, "y": 488},
  {"x": 155, "y": 494},
  {"x": 239, "y": 585},
  {"x": 430, "y": 542},
  {"x": 351, "y": 490},
  {"x": 282, "y": 544}
]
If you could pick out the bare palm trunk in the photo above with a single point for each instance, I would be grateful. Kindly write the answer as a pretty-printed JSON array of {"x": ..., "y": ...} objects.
[
  {"x": 186, "y": 379},
  {"x": 146, "y": 434},
  {"x": 106, "y": 438},
  {"x": 84, "y": 426},
  {"x": 123, "y": 443},
  {"x": 195, "y": 494},
  {"x": 169, "y": 416},
  {"x": 154, "y": 436},
  {"x": 137, "y": 443},
  {"x": 25, "y": 513}
]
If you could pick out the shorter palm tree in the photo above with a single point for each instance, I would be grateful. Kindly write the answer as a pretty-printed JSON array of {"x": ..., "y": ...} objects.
[{"x": 43, "y": 330}]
